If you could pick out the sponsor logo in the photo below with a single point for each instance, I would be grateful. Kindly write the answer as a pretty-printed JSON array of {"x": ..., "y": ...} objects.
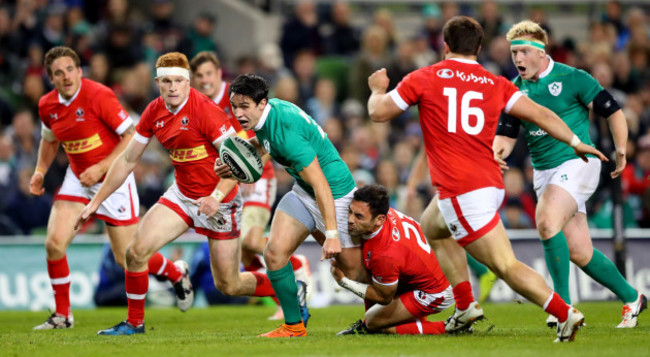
[
  {"x": 122, "y": 114},
  {"x": 160, "y": 124},
  {"x": 445, "y": 73},
  {"x": 474, "y": 78},
  {"x": 396, "y": 235},
  {"x": 191, "y": 154},
  {"x": 54, "y": 116},
  {"x": 453, "y": 228},
  {"x": 538, "y": 132},
  {"x": 367, "y": 260},
  {"x": 83, "y": 145},
  {"x": 234, "y": 167},
  {"x": 223, "y": 130},
  {"x": 555, "y": 88}
]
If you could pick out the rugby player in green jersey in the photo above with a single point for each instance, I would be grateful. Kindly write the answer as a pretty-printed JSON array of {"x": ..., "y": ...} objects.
[
  {"x": 563, "y": 182},
  {"x": 317, "y": 204}
]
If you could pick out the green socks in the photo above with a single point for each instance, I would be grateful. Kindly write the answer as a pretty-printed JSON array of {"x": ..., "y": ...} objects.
[
  {"x": 601, "y": 269},
  {"x": 556, "y": 252},
  {"x": 477, "y": 268},
  {"x": 284, "y": 284}
]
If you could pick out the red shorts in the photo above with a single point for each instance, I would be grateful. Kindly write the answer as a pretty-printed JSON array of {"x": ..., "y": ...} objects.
[{"x": 420, "y": 303}]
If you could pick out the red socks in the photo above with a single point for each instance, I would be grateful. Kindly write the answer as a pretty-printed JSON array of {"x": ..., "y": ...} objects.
[
  {"x": 263, "y": 287},
  {"x": 255, "y": 265},
  {"x": 557, "y": 307},
  {"x": 59, "y": 273},
  {"x": 161, "y": 266},
  {"x": 295, "y": 262},
  {"x": 421, "y": 327},
  {"x": 137, "y": 285},
  {"x": 463, "y": 295}
]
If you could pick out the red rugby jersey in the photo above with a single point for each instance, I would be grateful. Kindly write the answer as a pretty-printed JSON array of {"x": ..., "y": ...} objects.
[
  {"x": 189, "y": 135},
  {"x": 88, "y": 125},
  {"x": 399, "y": 254},
  {"x": 459, "y": 104}
]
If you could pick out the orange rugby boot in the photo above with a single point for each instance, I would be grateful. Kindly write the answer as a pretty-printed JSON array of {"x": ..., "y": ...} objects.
[{"x": 285, "y": 330}]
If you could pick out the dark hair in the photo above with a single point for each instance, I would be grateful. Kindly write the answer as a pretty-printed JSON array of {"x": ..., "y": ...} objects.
[
  {"x": 250, "y": 85},
  {"x": 203, "y": 57},
  {"x": 376, "y": 196},
  {"x": 58, "y": 52},
  {"x": 463, "y": 35}
]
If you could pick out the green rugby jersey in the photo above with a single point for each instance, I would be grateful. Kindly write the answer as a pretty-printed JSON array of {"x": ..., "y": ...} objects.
[
  {"x": 294, "y": 139},
  {"x": 567, "y": 91}
]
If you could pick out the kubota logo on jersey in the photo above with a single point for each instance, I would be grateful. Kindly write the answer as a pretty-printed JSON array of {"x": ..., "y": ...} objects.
[
  {"x": 445, "y": 73},
  {"x": 83, "y": 145},
  {"x": 192, "y": 154}
]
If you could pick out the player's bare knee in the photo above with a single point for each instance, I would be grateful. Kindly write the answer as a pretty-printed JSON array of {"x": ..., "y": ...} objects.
[
  {"x": 55, "y": 248},
  {"x": 228, "y": 288},
  {"x": 135, "y": 258},
  {"x": 545, "y": 228},
  {"x": 274, "y": 260}
]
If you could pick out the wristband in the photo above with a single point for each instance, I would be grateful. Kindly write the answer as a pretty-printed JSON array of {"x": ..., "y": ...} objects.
[
  {"x": 574, "y": 141},
  {"x": 359, "y": 289},
  {"x": 218, "y": 195},
  {"x": 332, "y": 234},
  {"x": 39, "y": 170}
]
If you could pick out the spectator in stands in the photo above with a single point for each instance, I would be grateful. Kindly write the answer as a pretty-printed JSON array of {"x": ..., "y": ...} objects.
[
  {"x": 26, "y": 211},
  {"x": 200, "y": 35},
  {"x": 491, "y": 21},
  {"x": 614, "y": 15},
  {"x": 52, "y": 32},
  {"x": 287, "y": 89},
  {"x": 340, "y": 37},
  {"x": 374, "y": 55},
  {"x": 513, "y": 215},
  {"x": 402, "y": 62},
  {"x": 432, "y": 29},
  {"x": 499, "y": 61},
  {"x": 323, "y": 104},
  {"x": 33, "y": 89},
  {"x": 271, "y": 64},
  {"x": 304, "y": 69},
  {"x": 636, "y": 181},
  {"x": 25, "y": 137},
  {"x": 625, "y": 78},
  {"x": 384, "y": 19},
  {"x": 8, "y": 173},
  {"x": 300, "y": 32}
]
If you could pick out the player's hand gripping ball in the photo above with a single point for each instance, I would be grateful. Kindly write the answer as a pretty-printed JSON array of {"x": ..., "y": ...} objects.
[{"x": 242, "y": 158}]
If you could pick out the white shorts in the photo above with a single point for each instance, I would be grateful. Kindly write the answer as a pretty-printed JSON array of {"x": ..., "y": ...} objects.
[
  {"x": 473, "y": 214},
  {"x": 577, "y": 177},
  {"x": 262, "y": 193},
  {"x": 342, "y": 206},
  {"x": 224, "y": 225},
  {"x": 121, "y": 208}
]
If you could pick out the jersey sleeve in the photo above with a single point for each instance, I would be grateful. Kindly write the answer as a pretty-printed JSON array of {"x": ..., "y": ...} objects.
[
  {"x": 510, "y": 94},
  {"x": 215, "y": 124},
  {"x": 111, "y": 112},
  {"x": 408, "y": 91},
  {"x": 144, "y": 131},
  {"x": 46, "y": 132},
  {"x": 384, "y": 270},
  {"x": 587, "y": 87}
]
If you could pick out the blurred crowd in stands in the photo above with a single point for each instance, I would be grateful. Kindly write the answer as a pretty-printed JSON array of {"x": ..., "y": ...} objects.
[{"x": 321, "y": 63}]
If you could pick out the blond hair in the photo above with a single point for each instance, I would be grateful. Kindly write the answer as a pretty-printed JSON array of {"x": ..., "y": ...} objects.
[
  {"x": 527, "y": 28},
  {"x": 173, "y": 59}
]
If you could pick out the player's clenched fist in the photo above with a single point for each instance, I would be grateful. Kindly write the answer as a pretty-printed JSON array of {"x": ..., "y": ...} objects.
[
  {"x": 36, "y": 184},
  {"x": 91, "y": 175},
  {"x": 378, "y": 81}
]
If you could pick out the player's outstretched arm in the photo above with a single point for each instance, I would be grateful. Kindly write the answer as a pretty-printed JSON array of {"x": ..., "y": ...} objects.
[
  {"x": 94, "y": 173},
  {"x": 524, "y": 108},
  {"x": 120, "y": 169},
  {"x": 380, "y": 294},
  {"x": 418, "y": 174},
  {"x": 46, "y": 153},
  {"x": 381, "y": 106},
  {"x": 313, "y": 175}
]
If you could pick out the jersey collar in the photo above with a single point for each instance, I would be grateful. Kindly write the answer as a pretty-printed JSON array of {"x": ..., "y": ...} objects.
[
  {"x": 548, "y": 69},
  {"x": 373, "y": 234},
  {"x": 464, "y": 60},
  {"x": 265, "y": 114},
  {"x": 180, "y": 107},
  {"x": 219, "y": 96},
  {"x": 69, "y": 101}
]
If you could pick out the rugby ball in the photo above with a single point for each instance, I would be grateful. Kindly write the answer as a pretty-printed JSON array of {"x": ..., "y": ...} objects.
[{"x": 242, "y": 158}]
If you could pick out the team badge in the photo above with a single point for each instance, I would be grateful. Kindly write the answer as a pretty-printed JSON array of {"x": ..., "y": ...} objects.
[
  {"x": 555, "y": 88},
  {"x": 185, "y": 121},
  {"x": 267, "y": 146},
  {"x": 368, "y": 258},
  {"x": 80, "y": 112},
  {"x": 445, "y": 73}
]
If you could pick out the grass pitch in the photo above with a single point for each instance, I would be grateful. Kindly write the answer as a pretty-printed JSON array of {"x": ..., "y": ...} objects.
[{"x": 519, "y": 330}]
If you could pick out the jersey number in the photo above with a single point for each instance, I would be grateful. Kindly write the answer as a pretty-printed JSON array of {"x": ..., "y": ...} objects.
[
  {"x": 311, "y": 121},
  {"x": 465, "y": 111},
  {"x": 411, "y": 229}
]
